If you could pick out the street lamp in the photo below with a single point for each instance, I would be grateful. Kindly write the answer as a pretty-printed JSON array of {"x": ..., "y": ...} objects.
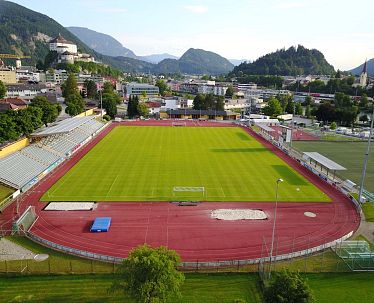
[
  {"x": 366, "y": 159},
  {"x": 274, "y": 223},
  {"x": 101, "y": 103}
]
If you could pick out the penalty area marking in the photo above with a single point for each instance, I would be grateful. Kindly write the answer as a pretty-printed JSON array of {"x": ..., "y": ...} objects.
[{"x": 238, "y": 214}]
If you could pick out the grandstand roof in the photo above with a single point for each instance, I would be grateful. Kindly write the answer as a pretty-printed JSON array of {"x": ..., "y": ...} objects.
[
  {"x": 326, "y": 162},
  {"x": 64, "y": 126},
  {"x": 265, "y": 127}
]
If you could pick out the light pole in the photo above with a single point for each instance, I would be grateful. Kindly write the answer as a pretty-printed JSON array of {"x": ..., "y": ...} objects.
[
  {"x": 101, "y": 104},
  {"x": 274, "y": 224},
  {"x": 366, "y": 159}
]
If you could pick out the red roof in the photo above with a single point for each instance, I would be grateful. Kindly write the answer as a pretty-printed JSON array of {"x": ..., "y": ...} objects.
[
  {"x": 153, "y": 104},
  {"x": 14, "y": 101}
]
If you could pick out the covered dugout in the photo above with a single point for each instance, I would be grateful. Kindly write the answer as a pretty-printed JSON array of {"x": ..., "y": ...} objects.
[{"x": 325, "y": 163}]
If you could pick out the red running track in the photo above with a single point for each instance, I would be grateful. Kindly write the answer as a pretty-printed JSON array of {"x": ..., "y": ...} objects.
[{"x": 189, "y": 229}]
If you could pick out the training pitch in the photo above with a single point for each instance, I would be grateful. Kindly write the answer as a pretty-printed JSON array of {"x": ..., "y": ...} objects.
[{"x": 137, "y": 163}]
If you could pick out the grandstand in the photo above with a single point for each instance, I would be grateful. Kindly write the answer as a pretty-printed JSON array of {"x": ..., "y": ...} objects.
[{"x": 53, "y": 144}]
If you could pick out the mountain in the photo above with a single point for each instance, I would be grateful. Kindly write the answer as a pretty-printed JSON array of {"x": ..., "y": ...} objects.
[
  {"x": 236, "y": 62},
  {"x": 370, "y": 67},
  {"x": 25, "y": 32},
  {"x": 291, "y": 62},
  {"x": 131, "y": 65},
  {"x": 102, "y": 43},
  {"x": 156, "y": 58},
  {"x": 196, "y": 61}
]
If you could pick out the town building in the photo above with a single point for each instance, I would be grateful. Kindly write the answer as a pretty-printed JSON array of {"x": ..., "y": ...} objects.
[
  {"x": 25, "y": 91},
  {"x": 12, "y": 104},
  {"x": 7, "y": 75},
  {"x": 188, "y": 114},
  {"x": 138, "y": 89},
  {"x": 364, "y": 76}
]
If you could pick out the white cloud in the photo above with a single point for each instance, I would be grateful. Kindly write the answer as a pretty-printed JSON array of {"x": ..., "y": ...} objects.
[
  {"x": 196, "y": 9},
  {"x": 111, "y": 10},
  {"x": 290, "y": 5}
]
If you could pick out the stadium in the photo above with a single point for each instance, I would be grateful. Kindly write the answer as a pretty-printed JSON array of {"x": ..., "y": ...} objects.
[{"x": 163, "y": 182}]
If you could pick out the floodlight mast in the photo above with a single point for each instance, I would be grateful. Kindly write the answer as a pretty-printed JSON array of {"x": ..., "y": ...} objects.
[
  {"x": 366, "y": 159},
  {"x": 274, "y": 223}
]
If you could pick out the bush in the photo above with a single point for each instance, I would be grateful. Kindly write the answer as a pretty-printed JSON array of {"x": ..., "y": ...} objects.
[{"x": 107, "y": 117}]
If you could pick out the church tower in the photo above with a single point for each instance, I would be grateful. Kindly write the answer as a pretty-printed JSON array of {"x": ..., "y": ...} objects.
[{"x": 364, "y": 76}]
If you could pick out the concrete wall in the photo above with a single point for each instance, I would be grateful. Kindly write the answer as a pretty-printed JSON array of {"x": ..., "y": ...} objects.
[{"x": 13, "y": 147}]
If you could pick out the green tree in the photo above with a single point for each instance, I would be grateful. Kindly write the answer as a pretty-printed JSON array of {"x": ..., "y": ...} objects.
[
  {"x": 288, "y": 287},
  {"x": 110, "y": 104},
  {"x": 27, "y": 120},
  {"x": 229, "y": 91},
  {"x": 199, "y": 102},
  {"x": 308, "y": 101},
  {"x": 91, "y": 88},
  {"x": 364, "y": 102},
  {"x": 70, "y": 86},
  {"x": 143, "y": 109},
  {"x": 308, "y": 113},
  {"x": 298, "y": 109},
  {"x": 108, "y": 87},
  {"x": 161, "y": 86},
  {"x": 50, "y": 111},
  {"x": 8, "y": 128},
  {"x": 333, "y": 125},
  {"x": 150, "y": 275},
  {"x": 75, "y": 104},
  {"x": 132, "y": 107},
  {"x": 2, "y": 90},
  {"x": 273, "y": 108},
  {"x": 220, "y": 103}
]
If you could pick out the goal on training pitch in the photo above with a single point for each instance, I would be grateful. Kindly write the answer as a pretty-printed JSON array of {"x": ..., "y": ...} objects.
[
  {"x": 189, "y": 193},
  {"x": 181, "y": 123}
]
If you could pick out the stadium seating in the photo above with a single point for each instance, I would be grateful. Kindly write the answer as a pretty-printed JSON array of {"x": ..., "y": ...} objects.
[{"x": 21, "y": 167}]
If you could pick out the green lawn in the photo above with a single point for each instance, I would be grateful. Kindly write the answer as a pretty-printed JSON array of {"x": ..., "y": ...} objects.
[
  {"x": 198, "y": 288},
  {"x": 348, "y": 154},
  {"x": 368, "y": 209},
  {"x": 145, "y": 163},
  {"x": 5, "y": 192},
  {"x": 225, "y": 288},
  {"x": 343, "y": 287}
]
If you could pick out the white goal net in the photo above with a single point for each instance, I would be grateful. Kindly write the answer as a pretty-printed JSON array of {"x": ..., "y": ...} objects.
[
  {"x": 189, "y": 192},
  {"x": 179, "y": 123}
]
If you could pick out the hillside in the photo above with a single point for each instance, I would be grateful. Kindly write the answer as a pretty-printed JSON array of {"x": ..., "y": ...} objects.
[
  {"x": 102, "y": 43},
  {"x": 370, "y": 66},
  {"x": 290, "y": 62},
  {"x": 196, "y": 61},
  {"x": 156, "y": 58},
  {"x": 25, "y": 32}
]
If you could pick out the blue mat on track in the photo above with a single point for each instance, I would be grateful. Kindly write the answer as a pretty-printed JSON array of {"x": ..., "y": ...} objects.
[{"x": 101, "y": 224}]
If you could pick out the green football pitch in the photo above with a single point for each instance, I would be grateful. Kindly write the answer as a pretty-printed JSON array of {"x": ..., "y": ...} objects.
[{"x": 145, "y": 164}]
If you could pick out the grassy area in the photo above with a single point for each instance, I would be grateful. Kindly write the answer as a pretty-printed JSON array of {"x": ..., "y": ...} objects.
[
  {"x": 368, "y": 209},
  {"x": 5, "y": 192},
  {"x": 57, "y": 262},
  {"x": 145, "y": 163},
  {"x": 348, "y": 154},
  {"x": 343, "y": 287},
  {"x": 225, "y": 288},
  {"x": 337, "y": 137}
]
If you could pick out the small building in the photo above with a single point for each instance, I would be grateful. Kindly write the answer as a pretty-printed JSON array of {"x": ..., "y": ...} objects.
[
  {"x": 12, "y": 104},
  {"x": 194, "y": 114},
  {"x": 7, "y": 75}
]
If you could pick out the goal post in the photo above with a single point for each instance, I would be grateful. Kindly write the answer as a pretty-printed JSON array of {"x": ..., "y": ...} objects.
[
  {"x": 25, "y": 221},
  {"x": 179, "y": 124},
  {"x": 189, "y": 192}
]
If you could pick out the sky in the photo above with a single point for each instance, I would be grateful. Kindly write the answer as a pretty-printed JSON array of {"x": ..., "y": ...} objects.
[{"x": 343, "y": 30}]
